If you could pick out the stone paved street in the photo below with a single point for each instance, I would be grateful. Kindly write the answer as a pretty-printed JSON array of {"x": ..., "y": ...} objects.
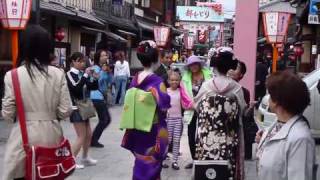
[{"x": 116, "y": 163}]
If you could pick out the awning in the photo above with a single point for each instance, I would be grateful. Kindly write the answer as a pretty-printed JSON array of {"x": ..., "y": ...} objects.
[
  {"x": 127, "y": 33},
  {"x": 107, "y": 33},
  {"x": 145, "y": 25},
  {"x": 90, "y": 17},
  {"x": 59, "y": 10},
  {"x": 262, "y": 40},
  {"x": 278, "y": 6},
  {"x": 174, "y": 30}
]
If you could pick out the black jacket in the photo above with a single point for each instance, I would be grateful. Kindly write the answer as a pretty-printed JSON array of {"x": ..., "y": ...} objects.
[{"x": 76, "y": 85}]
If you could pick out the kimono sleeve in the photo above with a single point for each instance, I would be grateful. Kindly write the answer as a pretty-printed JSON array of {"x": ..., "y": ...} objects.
[
  {"x": 161, "y": 96},
  {"x": 8, "y": 101}
]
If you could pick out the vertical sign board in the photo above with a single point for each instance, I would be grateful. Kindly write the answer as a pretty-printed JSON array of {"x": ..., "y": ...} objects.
[
  {"x": 314, "y": 8},
  {"x": 245, "y": 39}
]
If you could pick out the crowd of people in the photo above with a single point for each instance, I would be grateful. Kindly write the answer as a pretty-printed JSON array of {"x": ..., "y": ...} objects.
[{"x": 216, "y": 108}]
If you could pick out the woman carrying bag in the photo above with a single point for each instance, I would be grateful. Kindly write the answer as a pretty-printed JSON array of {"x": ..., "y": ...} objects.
[
  {"x": 44, "y": 97},
  {"x": 80, "y": 81}
]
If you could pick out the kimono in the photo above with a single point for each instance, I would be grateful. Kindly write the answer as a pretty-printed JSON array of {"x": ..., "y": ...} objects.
[
  {"x": 150, "y": 148},
  {"x": 225, "y": 86}
]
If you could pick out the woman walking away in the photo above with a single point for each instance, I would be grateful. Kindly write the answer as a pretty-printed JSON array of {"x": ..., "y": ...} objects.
[
  {"x": 121, "y": 75},
  {"x": 287, "y": 150},
  {"x": 98, "y": 98},
  {"x": 220, "y": 104},
  {"x": 80, "y": 81},
  {"x": 45, "y": 96},
  {"x": 192, "y": 81},
  {"x": 149, "y": 148},
  {"x": 179, "y": 99}
]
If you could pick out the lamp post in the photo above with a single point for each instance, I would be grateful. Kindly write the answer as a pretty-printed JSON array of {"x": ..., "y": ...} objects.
[
  {"x": 14, "y": 15},
  {"x": 275, "y": 29}
]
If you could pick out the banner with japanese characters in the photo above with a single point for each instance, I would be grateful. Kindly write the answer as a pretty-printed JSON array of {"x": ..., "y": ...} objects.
[{"x": 199, "y": 14}]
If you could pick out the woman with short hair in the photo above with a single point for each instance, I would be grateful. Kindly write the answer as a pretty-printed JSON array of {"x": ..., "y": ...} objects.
[{"x": 287, "y": 150}]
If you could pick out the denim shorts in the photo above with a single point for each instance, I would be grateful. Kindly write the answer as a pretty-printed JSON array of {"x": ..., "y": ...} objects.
[{"x": 76, "y": 117}]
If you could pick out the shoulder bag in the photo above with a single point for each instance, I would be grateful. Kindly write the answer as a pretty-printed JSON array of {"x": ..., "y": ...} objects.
[{"x": 50, "y": 163}]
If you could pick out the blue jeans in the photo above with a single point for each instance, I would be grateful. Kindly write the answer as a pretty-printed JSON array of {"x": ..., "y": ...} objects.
[{"x": 121, "y": 84}]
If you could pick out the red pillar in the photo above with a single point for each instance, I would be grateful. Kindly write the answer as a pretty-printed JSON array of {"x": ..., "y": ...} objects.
[{"x": 245, "y": 39}]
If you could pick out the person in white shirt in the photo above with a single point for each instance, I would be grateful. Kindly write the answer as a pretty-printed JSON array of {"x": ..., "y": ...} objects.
[{"x": 121, "y": 75}]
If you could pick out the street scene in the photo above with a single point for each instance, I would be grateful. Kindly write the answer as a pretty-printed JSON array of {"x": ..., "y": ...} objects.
[{"x": 159, "y": 89}]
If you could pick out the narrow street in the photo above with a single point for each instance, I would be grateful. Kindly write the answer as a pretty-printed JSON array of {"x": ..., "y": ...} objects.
[{"x": 115, "y": 163}]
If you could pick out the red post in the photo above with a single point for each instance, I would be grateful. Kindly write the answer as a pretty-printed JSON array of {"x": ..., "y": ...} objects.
[{"x": 14, "y": 47}]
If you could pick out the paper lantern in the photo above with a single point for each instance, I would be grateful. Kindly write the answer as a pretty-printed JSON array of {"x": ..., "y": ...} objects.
[
  {"x": 14, "y": 14},
  {"x": 276, "y": 26},
  {"x": 161, "y": 35}
]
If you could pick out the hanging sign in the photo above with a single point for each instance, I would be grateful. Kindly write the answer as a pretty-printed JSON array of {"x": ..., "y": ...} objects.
[
  {"x": 198, "y": 14},
  {"x": 314, "y": 8}
]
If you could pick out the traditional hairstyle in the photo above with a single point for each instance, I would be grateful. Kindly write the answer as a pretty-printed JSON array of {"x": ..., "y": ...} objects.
[
  {"x": 147, "y": 55},
  {"x": 223, "y": 62}
]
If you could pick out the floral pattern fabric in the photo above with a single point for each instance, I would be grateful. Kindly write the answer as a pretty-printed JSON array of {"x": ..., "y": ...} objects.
[{"x": 217, "y": 132}]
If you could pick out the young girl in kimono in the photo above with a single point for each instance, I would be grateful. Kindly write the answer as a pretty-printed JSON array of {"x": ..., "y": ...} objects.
[{"x": 149, "y": 148}]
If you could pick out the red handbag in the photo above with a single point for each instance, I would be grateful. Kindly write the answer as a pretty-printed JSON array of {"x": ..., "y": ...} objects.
[{"x": 49, "y": 163}]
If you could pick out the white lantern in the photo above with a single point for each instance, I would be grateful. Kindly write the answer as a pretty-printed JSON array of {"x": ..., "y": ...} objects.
[
  {"x": 276, "y": 26},
  {"x": 15, "y": 14},
  {"x": 188, "y": 41},
  {"x": 161, "y": 35}
]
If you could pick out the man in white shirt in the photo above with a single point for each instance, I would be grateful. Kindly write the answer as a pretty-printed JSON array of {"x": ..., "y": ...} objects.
[{"x": 121, "y": 75}]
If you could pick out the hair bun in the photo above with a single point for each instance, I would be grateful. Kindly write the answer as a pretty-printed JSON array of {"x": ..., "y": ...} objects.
[{"x": 147, "y": 54}]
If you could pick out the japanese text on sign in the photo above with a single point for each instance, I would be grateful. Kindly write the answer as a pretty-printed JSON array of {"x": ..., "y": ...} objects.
[
  {"x": 195, "y": 14},
  {"x": 199, "y": 14}
]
